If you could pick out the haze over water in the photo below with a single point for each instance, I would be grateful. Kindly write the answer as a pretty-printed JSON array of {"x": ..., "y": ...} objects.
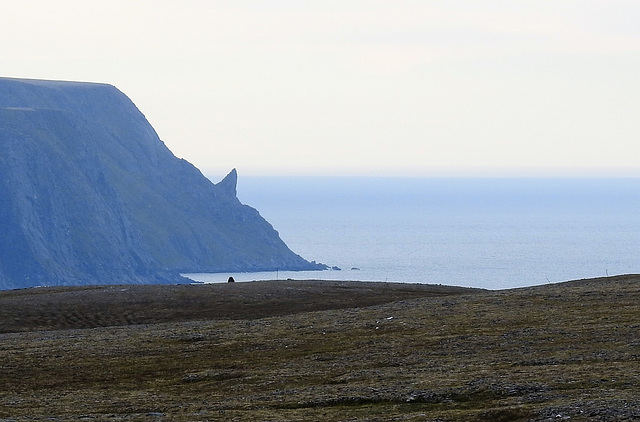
[{"x": 489, "y": 233}]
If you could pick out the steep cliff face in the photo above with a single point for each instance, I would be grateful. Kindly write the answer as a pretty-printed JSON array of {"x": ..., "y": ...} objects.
[{"x": 90, "y": 195}]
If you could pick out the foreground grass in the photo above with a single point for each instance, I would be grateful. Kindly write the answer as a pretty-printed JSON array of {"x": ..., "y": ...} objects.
[{"x": 547, "y": 353}]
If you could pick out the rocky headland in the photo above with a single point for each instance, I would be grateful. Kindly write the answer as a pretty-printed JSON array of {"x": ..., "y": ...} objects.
[{"x": 89, "y": 194}]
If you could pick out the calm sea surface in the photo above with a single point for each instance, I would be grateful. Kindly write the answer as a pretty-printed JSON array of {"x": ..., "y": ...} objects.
[{"x": 490, "y": 233}]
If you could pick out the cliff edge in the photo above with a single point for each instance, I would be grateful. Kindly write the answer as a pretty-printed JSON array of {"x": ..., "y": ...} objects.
[{"x": 90, "y": 195}]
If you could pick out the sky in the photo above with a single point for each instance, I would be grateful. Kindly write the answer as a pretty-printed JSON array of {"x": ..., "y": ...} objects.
[{"x": 357, "y": 87}]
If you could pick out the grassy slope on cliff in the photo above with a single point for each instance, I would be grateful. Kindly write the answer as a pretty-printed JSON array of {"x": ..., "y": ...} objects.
[{"x": 275, "y": 351}]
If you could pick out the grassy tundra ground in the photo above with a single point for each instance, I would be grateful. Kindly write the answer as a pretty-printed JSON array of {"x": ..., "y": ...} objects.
[{"x": 317, "y": 350}]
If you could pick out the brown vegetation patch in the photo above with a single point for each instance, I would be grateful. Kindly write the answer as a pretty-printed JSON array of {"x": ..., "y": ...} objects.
[
  {"x": 55, "y": 308},
  {"x": 558, "y": 352}
]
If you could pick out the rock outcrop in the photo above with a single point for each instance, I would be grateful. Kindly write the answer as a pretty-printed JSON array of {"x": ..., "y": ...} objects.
[{"x": 90, "y": 195}]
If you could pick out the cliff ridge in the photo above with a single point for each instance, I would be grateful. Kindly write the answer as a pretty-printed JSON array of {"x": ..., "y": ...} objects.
[{"x": 89, "y": 194}]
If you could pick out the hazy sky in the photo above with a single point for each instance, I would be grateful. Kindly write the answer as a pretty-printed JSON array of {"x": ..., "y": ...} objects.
[{"x": 395, "y": 87}]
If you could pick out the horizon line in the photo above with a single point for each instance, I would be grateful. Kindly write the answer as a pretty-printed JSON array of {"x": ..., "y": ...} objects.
[{"x": 462, "y": 173}]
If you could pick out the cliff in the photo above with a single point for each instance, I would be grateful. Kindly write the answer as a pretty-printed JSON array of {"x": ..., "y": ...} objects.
[{"x": 90, "y": 195}]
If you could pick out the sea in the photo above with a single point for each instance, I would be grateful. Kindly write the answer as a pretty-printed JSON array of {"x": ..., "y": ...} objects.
[{"x": 493, "y": 233}]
